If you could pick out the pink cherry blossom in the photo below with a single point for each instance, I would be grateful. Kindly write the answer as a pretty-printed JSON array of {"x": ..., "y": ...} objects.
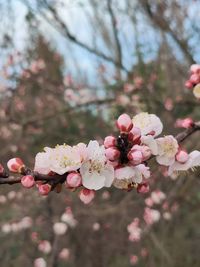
[
  {"x": 167, "y": 149},
  {"x": 15, "y": 165},
  {"x": 64, "y": 254},
  {"x": 86, "y": 195},
  {"x": 192, "y": 162},
  {"x": 124, "y": 123},
  {"x": 44, "y": 246},
  {"x": 134, "y": 230},
  {"x": 96, "y": 172},
  {"x": 148, "y": 124},
  {"x": 151, "y": 216},
  {"x": 60, "y": 228}
]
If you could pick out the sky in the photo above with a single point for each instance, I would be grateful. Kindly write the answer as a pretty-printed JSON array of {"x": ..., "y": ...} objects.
[{"x": 79, "y": 24}]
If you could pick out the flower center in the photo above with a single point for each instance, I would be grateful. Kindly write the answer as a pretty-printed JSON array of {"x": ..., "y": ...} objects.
[{"x": 96, "y": 166}]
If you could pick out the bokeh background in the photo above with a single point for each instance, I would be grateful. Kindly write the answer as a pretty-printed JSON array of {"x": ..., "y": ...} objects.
[{"x": 68, "y": 69}]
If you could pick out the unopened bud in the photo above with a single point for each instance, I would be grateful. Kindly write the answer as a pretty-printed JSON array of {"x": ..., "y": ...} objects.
[
  {"x": 109, "y": 141},
  {"x": 112, "y": 153},
  {"x": 15, "y": 165},
  {"x": 124, "y": 123},
  {"x": 28, "y": 181},
  {"x": 44, "y": 189},
  {"x": 74, "y": 180}
]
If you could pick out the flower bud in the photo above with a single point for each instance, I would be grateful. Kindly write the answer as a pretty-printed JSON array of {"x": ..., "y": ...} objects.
[
  {"x": 1, "y": 169},
  {"x": 182, "y": 156},
  {"x": 134, "y": 134},
  {"x": 15, "y": 165},
  {"x": 195, "y": 78},
  {"x": 73, "y": 180},
  {"x": 184, "y": 123},
  {"x": 189, "y": 84},
  {"x": 109, "y": 141},
  {"x": 124, "y": 123},
  {"x": 143, "y": 188},
  {"x": 195, "y": 68},
  {"x": 28, "y": 181},
  {"x": 86, "y": 195},
  {"x": 146, "y": 152},
  {"x": 135, "y": 156},
  {"x": 112, "y": 153},
  {"x": 44, "y": 189}
]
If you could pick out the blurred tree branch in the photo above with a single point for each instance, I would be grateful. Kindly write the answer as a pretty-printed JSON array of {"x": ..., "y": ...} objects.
[{"x": 160, "y": 21}]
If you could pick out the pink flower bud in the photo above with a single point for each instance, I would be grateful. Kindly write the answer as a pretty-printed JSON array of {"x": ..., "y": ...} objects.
[
  {"x": 189, "y": 84},
  {"x": 184, "y": 123},
  {"x": 28, "y": 181},
  {"x": 109, "y": 141},
  {"x": 124, "y": 123},
  {"x": 134, "y": 134},
  {"x": 146, "y": 152},
  {"x": 195, "y": 78},
  {"x": 1, "y": 169},
  {"x": 182, "y": 156},
  {"x": 44, "y": 189},
  {"x": 74, "y": 180},
  {"x": 143, "y": 188},
  {"x": 133, "y": 259},
  {"x": 195, "y": 68},
  {"x": 86, "y": 195},
  {"x": 135, "y": 156},
  {"x": 112, "y": 153},
  {"x": 15, "y": 165}
]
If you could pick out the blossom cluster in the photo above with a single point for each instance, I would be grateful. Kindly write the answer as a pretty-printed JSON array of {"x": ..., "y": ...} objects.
[
  {"x": 157, "y": 207},
  {"x": 121, "y": 161},
  {"x": 193, "y": 82}
]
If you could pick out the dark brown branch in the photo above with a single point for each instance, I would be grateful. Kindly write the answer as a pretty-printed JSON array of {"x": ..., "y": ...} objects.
[{"x": 55, "y": 179}]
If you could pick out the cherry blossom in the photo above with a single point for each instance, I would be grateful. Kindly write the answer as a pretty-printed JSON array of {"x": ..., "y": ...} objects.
[
  {"x": 151, "y": 216},
  {"x": 60, "y": 228},
  {"x": 44, "y": 246},
  {"x": 96, "y": 171},
  {"x": 148, "y": 124},
  {"x": 134, "y": 230},
  {"x": 167, "y": 149},
  {"x": 192, "y": 162},
  {"x": 40, "y": 262}
]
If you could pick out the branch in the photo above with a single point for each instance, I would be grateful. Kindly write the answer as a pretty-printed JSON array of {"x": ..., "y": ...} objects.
[
  {"x": 64, "y": 30},
  {"x": 51, "y": 179},
  {"x": 56, "y": 179},
  {"x": 115, "y": 31},
  {"x": 66, "y": 110},
  {"x": 160, "y": 22}
]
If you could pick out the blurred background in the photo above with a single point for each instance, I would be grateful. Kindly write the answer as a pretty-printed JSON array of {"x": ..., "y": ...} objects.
[{"x": 68, "y": 68}]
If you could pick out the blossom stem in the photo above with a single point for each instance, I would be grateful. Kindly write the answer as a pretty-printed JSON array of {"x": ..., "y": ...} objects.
[{"x": 6, "y": 178}]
